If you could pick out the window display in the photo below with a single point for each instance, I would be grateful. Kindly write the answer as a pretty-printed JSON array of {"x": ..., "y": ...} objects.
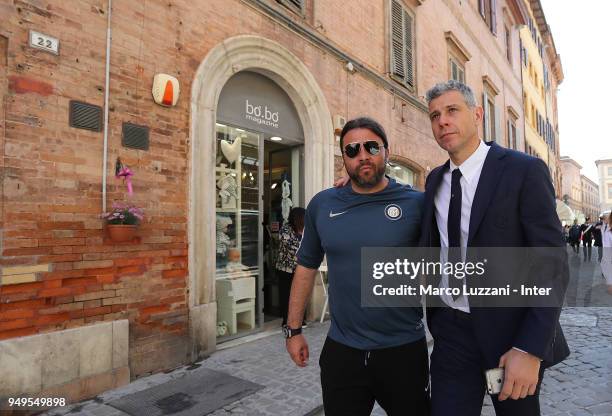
[
  {"x": 237, "y": 211},
  {"x": 401, "y": 173}
]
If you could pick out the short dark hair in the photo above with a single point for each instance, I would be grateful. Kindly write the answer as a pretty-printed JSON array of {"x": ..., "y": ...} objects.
[
  {"x": 296, "y": 218},
  {"x": 364, "y": 123}
]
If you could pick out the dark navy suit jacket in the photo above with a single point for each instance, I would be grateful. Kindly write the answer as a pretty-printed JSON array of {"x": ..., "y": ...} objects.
[{"x": 514, "y": 206}]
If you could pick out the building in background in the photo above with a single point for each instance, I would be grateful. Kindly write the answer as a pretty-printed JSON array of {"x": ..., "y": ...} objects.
[
  {"x": 604, "y": 169},
  {"x": 572, "y": 188},
  {"x": 590, "y": 197},
  {"x": 244, "y": 127},
  {"x": 541, "y": 74}
]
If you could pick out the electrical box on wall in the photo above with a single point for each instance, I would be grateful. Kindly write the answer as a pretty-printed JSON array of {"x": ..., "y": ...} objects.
[{"x": 165, "y": 90}]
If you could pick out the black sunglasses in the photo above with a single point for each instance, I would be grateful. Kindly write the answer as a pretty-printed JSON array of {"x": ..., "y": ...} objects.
[{"x": 371, "y": 146}]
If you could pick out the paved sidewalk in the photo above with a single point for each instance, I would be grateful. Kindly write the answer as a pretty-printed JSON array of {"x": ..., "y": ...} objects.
[
  {"x": 288, "y": 390},
  {"x": 580, "y": 386}
]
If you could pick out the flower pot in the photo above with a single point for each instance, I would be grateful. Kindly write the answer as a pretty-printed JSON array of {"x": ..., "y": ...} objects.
[{"x": 121, "y": 232}]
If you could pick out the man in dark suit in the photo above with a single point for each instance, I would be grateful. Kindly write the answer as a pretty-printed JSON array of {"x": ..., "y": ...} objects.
[{"x": 487, "y": 196}]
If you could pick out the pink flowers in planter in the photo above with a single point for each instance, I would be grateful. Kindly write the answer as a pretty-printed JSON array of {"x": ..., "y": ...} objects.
[{"x": 124, "y": 214}]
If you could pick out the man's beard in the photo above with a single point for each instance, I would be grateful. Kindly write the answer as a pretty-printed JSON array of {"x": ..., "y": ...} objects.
[{"x": 372, "y": 181}]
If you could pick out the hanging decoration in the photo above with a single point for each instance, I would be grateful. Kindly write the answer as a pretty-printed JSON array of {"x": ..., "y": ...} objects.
[
  {"x": 286, "y": 202},
  {"x": 124, "y": 172},
  {"x": 231, "y": 151}
]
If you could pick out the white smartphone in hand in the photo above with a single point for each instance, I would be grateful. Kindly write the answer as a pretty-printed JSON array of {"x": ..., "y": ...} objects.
[{"x": 495, "y": 380}]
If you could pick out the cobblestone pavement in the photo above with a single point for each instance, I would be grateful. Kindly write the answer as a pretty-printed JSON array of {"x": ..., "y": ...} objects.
[{"x": 580, "y": 386}]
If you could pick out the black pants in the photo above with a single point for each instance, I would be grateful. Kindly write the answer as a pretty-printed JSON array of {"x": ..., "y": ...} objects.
[
  {"x": 586, "y": 249},
  {"x": 397, "y": 378},
  {"x": 599, "y": 253},
  {"x": 575, "y": 245},
  {"x": 457, "y": 371}
]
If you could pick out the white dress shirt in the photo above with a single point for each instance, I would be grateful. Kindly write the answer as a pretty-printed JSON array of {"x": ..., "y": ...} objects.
[{"x": 470, "y": 174}]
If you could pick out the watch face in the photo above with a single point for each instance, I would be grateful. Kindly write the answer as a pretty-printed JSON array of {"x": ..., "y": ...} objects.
[{"x": 286, "y": 331}]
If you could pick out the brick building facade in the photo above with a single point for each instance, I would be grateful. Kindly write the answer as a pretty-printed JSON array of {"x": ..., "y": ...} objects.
[{"x": 152, "y": 301}]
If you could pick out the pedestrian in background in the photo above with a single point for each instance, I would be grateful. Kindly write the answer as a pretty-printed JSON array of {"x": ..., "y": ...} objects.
[
  {"x": 586, "y": 235},
  {"x": 606, "y": 261},
  {"x": 597, "y": 237},
  {"x": 290, "y": 236},
  {"x": 574, "y": 237}
]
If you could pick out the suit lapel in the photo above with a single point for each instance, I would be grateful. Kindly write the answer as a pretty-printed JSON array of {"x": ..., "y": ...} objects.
[{"x": 489, "y": 177}]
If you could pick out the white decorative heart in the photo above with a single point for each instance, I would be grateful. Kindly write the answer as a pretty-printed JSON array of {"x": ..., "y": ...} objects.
[{"x": 231, "y": 151}]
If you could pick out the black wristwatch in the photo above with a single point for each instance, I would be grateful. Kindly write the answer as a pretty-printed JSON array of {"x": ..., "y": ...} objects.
[{"x": 291, "y": 332}]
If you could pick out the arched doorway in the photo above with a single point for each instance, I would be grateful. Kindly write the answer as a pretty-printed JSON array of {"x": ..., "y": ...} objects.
[
  {"x": 259, "y": 174},
  {"x": 274, "y": 61}
]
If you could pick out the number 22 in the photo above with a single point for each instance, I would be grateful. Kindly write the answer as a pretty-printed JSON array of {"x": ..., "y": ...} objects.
[{"x": 41, "y": 42}]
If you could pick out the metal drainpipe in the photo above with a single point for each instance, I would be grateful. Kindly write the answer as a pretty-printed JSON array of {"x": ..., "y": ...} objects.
[{"x": 106, "y": 93}]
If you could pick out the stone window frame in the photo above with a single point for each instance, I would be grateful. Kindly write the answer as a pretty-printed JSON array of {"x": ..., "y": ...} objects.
[
  {"x": 512, "y": 125},
  {"x": 491, "y": 117},
  {"x": 458, "y": 54}
]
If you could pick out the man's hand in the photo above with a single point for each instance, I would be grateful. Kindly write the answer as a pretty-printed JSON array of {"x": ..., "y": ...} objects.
[
  {"x": 297, "y": 347},
  {"x": 521, "y": 374},
  {"x": 339, "y": 183}
]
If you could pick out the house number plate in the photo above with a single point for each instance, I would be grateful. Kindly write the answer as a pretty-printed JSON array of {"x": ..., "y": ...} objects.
[{"x": 44, "y": 42}]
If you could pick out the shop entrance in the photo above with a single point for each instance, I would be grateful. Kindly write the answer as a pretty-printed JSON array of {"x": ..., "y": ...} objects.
[
  {"x": 259, "y": 177},
  {"x": 283, "y": 190}
]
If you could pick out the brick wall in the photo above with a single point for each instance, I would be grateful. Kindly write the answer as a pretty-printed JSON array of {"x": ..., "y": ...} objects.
[
  {"x": 51, "y": 173},
  {"x": 52, "y": 184}
]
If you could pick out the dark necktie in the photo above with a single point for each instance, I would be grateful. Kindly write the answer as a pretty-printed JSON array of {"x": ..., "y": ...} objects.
[{"x": 454, "y": 228}]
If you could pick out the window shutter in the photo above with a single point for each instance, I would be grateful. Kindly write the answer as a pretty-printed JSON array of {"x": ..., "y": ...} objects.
[
  {"x": 408, "y": 49},
  {"x": 481, "y": 8},
  {"x": 498, "y": 134},
  {"x": 485, "y": 105},
  {"x": 397, "y": 40},
  {"x": 297, "y": 4},
  {"x": 509, "y": 127},
  {"x": 494, "y": 17}
]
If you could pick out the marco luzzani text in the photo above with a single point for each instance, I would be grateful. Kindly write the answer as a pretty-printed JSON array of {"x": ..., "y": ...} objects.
[{"x": 405, "y": 269}]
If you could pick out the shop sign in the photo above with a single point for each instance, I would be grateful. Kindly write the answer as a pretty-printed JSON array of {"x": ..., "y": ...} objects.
[{"x": 261, "y": 114}]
